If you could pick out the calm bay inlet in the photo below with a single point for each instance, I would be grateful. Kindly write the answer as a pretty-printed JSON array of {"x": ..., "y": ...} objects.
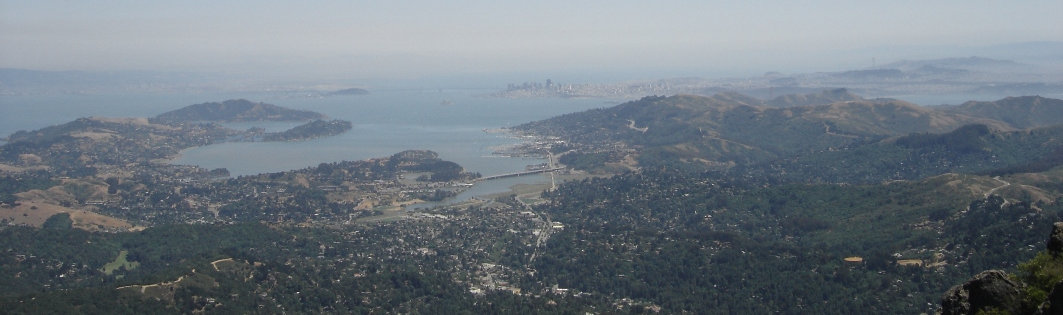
[{"x": 453, "y": 123}]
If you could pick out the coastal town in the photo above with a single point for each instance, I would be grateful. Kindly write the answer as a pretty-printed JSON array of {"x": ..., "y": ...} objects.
[
  {"x": 120, "y": 169},
  {"x": 115, "y": 175}
]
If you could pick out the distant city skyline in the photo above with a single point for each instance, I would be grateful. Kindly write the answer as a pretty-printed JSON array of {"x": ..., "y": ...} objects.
[{"x": 414, "y": 39}]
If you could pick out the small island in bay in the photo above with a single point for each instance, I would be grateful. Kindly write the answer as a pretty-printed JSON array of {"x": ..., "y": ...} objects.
[
  {"x": 235, "y": 111},
  {"x": 350, "y": 91},
  {"x": 242, "y": 110},
  {"x": 313, "y": 129}
]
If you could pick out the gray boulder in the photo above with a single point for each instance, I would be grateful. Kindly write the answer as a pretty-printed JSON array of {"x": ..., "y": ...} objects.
[
  {"x": 990, "y": 289},
  {"x": 1055, "y": 241}
]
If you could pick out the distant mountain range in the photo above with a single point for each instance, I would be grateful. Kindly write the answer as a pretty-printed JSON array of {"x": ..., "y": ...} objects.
[
  {"x": 968, "y": 63},
  {"x": 974, "y": 76},
  {"x": 956, "y": 68}
]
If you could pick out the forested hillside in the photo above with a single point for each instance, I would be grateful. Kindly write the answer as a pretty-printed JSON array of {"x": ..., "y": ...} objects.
[
  {"x": 692, "y": 243},
  {"x": 719, "y": 130}
]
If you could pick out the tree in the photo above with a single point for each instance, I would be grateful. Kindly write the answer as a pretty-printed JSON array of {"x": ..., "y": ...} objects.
[{"x": 59, "y": 221}]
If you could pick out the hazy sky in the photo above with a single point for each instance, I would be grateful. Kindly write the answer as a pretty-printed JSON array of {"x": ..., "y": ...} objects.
[{"x": 397, "y": 39}]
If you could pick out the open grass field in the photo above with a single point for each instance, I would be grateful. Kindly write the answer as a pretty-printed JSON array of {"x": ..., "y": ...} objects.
[{"x": 119, "y": 262}]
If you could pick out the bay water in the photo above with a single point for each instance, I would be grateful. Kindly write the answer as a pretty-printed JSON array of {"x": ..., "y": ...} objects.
[{"x": 453, "y": 123}]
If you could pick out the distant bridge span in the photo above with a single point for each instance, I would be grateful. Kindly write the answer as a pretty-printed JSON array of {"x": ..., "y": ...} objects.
[{"x": 515, "y": 174}]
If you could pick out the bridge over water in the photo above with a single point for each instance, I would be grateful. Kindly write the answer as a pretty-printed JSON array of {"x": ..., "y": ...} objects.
[{"x": 515, "y": 174}]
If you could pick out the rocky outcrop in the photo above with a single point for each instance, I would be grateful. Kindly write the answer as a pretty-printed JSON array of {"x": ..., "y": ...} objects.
[
  {"x": 993, "y": 290},
  {"x": 1055, "y": 241},
  {"x": 1054, "y": 303},
  {"x": 986, "y": 291}
]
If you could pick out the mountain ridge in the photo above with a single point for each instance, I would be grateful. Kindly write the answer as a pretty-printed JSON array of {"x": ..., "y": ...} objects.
[
  {"x": 727, "y": 127},
  {"x": 1021, "y": 112}
]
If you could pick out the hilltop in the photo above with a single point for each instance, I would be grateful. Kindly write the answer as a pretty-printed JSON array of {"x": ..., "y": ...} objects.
[{"x": 821, "y": 98}]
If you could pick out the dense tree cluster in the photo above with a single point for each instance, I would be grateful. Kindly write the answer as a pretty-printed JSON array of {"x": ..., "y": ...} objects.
[{"x": 697, "y": 245}]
